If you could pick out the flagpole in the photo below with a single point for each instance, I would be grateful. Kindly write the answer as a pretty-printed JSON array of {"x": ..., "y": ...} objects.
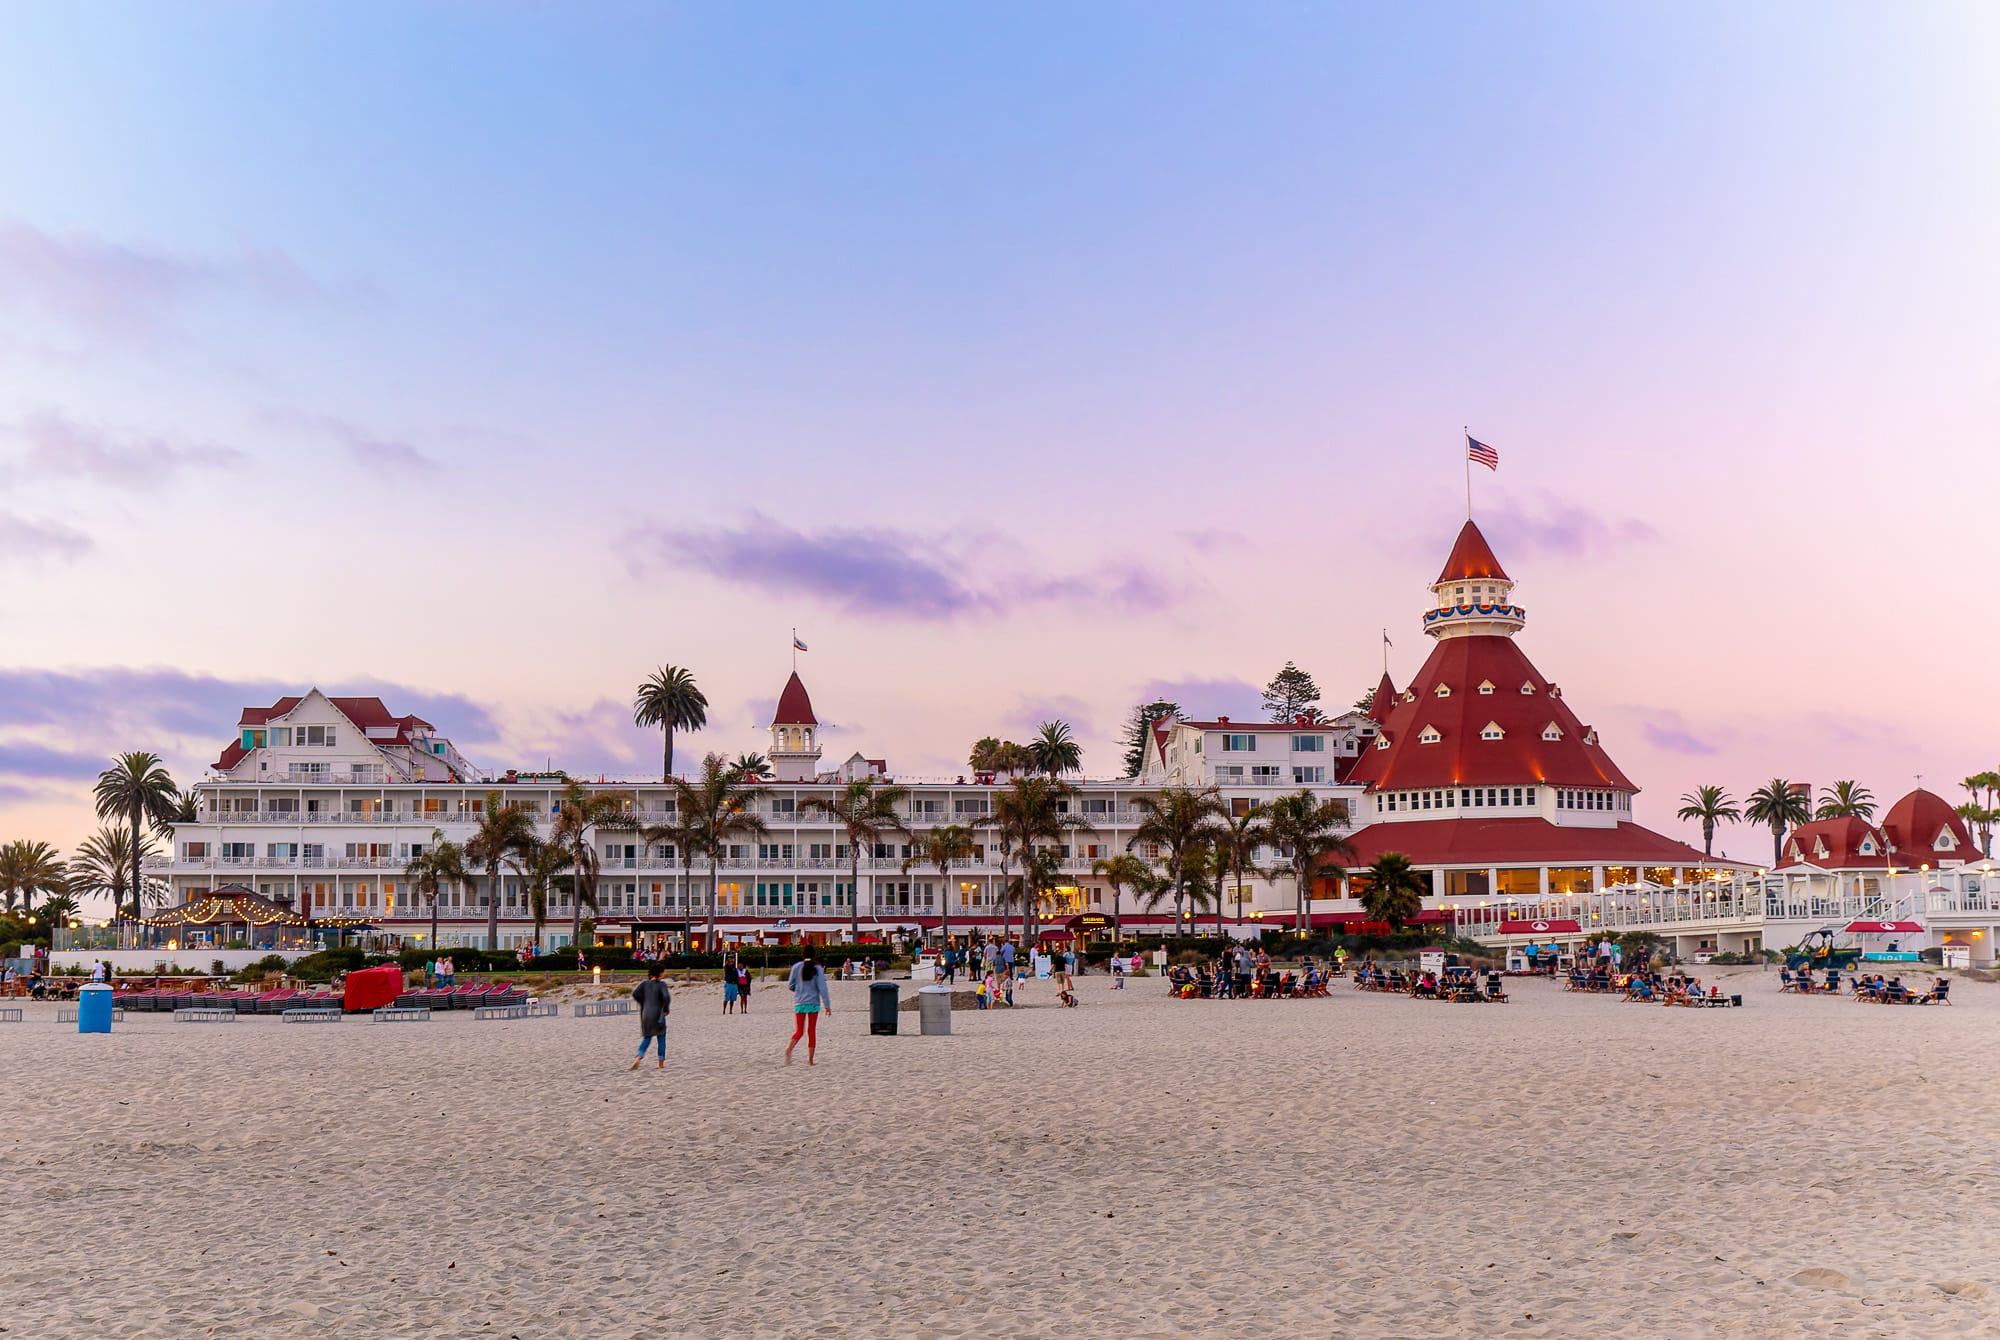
[
  {"x": 1468, "y": 472},
  {"x": 795, "y": 651}
]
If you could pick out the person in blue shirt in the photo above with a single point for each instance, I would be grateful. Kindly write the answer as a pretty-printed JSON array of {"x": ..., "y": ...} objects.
[{"x": 811, "y": 996}]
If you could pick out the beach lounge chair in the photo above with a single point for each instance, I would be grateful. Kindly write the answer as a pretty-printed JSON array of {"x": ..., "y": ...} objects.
[
  {"x": 1787, "y": 982},
  {"x": 1939, "y": 994}
]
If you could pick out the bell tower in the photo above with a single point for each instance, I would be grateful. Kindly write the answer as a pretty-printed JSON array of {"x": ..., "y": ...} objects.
[
  {"x": 1474, "y": 595},
  {"x": 794, "y": 734}
]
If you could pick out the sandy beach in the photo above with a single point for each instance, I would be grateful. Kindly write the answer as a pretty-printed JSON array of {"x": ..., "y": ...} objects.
[{"x": 1364, "y": 1165}]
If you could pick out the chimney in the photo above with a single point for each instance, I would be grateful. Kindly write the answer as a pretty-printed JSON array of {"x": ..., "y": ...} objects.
[{"x": 1222, "y": 721}]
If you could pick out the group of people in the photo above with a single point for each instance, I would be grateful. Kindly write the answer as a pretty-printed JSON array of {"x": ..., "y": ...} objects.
[
  {"x": 1879, "y": 990},
  {"x": 812, "y": 996},
  {"x": 1678, "y": 988},
  {"x": 441, "y": 972},
  {"x": 1243, "y": 973},
  {"x": 735, "y": 986}
]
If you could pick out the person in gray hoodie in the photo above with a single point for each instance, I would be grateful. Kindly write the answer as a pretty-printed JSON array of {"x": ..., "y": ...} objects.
[
  {"x": 655, "y": 1000},
  {"x": 810, "y": 996}
]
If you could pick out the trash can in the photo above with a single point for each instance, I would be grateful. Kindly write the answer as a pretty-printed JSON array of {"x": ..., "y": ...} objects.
[
  {"x": 882, "y": 1008},
  {"x": 934, "y": 1011},
  {"x": 93, "y": 1009}
]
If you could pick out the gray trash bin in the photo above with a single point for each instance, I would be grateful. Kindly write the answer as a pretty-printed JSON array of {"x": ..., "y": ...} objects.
[
  {"x": 934, "y": 1011},
  {"x": 882, "y": 999}
]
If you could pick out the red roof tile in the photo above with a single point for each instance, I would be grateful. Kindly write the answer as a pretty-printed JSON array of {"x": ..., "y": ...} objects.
[
  {"x": 1914, "y": 823},
  {"x": 1526, "y": 840},
  {"x": 1461, "y": 757},
  {"x": 1471, "y": 559}
]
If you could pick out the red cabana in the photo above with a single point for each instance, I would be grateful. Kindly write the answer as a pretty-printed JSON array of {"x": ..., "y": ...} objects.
[
  {"x": 370, "y": 988},
  {"x": 1885, "y": 928}
]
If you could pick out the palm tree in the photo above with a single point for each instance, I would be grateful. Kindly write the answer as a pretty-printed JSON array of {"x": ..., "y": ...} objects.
[
  {"x": 1030, "y": 810},
  {"x": 1041, "y": 872},
  {"x": 1179, "y": 821},
  {"x": 505, "y": 830},
  {"x": 539, "y": 863},
  {"x": 1306, "y": 831},
  {"x": 1395, "y": 890},
  {"x": 942, "y": 848},
  {"x": 866, "y": 812},
  {"x": 1237, "y": 838},
  {"x": 717, "y": 807},
  {"x": 1780, "y": 807},
  {"x": 1054, "y": 751},
  {"x": 186, "y": 808},
  {"x": 1981, "y": 820},
  {"x": 1121, "y": 872},
  {"x": 137, "y": 789},
  {"x": 1845, "y": 800},
  {"x": 103, "y": 865},
  {"x": 984, "y": 751},
  {"x": 29, "y": 869},
  {"x": 1983, "y": 786},
  {"x": 670, "y": 700},
  {"x": 752, "y": 768},
  {"x": 578, "y": 812},
  {"x": 1711, "y": 805},
  {"x": 56, "y": 911},
  {"x": 429, "y": 869}
]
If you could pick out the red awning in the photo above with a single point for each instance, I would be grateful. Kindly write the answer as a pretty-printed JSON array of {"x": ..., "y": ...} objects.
[
  {"x": 1884, "y": 928},
  {"x": 1056, "y": 933},
  {"x": 1550, "y": 926}
]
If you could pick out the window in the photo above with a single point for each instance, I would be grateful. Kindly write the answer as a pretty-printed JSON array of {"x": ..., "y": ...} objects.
[
  {"x": 1486, "y": 688},
  {"x": 1382, "y": 741},
  {"x": 1430, "y": 736},
  {"x": 195, "y": 851},
  {"x": 969, "y": 805},
  {"x": 319, "y": 735},
  {"x": 1492, "y": 731},
  {"x": 1241, "y": 744},
  {"x": 1308, "y": 744},
  {"x": 1264, "y": 773},
  {"x": 1528, "y": 686},
  {"x": 784, "y": 805},
  {"x": 280, "y": 735},
  {"x": 1552, "y": 732},
  {"x": 1308, "y": 776},
  {"x": 1443, "y": 690}
]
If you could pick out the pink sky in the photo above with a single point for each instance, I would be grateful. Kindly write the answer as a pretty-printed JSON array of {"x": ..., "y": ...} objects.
[{"x": 501, "y": 361}]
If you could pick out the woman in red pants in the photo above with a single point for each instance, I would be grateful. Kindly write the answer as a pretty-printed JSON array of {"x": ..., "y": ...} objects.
[{"x": 811, "y": 996}]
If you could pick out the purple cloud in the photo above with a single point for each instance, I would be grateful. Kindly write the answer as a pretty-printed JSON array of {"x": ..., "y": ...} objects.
[
  {"x": 110, "y": 286},
  {"x": 25, "y": 539},
  {"x": 1540, "y": 524},
  {"x": 1206, "y": 699},
  {"x": 877, "y": 571},
  {"x": 369, "y": 450},
  {"x": 1675, "y": 740},
  {"x": 61, "y": 448},
  {"x": 23, "y": 758}
]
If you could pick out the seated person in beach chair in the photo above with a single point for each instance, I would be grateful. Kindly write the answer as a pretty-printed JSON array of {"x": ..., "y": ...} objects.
[
  {"x": 1896, "y": 993},
  {"x": 1426, "y": 987},
  {"x": 1787, "y": 982},
  {"x": 1640, "y": 990},
  {"x": 1832, "y": 981},
  {"x": 1494, "y": 991},
  {"x": 1288, "y": 985},
  {"x": 1939, "y": 994}
]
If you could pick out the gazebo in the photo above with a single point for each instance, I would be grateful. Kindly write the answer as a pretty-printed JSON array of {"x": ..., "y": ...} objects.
[{"x": 232, "y": 912}]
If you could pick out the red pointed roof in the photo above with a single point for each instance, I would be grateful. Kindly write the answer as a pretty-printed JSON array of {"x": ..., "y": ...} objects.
[
  {"x": 1842, "y": 839},
  {"x": 1471, "y": 558},
  {"x": 1384, "y": 699},
  {"x": 1461, "y": 757},
  {"x": 795, "y": 707}
]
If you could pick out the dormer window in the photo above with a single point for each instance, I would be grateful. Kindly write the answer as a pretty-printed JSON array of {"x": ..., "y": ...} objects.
[
  {"x": 1492, "y": 732},
  {"x": 1555, "y": 691},
  {"x": 1590, "y": 736},
  {"x": 1443, "y": 690},
  {"x": 1430, "y": 736},
  {"x": 1486, "y": 688},
  {"x": 1945, "y": 841},
  {"x": 1867, "y": 847},
  {"x": 1552, "y": 732},
  {"x": 1528, "y": 686},
  {"x": 1409, "y": 695},
  {"x": 1381, "y": 742}
]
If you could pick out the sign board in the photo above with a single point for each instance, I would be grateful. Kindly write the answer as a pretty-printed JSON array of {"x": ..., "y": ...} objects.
[
  {"x": 1958, "y": 956},
  {"x": 1431, "y": 960},
  {"x": 1088, "y": 921}
]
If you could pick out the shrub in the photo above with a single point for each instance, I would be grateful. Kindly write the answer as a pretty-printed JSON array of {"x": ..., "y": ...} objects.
[{"x": 330, "y": 963}]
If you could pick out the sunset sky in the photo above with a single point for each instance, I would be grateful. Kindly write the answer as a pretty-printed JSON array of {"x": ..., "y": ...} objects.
[{"x": 1031, "y": 360}]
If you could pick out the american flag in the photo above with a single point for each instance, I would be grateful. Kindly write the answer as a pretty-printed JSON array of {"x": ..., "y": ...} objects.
[
  {"x": 797, "y": 645},
  {"x": 1475, "y": 450}
]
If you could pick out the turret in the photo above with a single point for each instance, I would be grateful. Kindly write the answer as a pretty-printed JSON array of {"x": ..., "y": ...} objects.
[
  {"x": 794, "y": 734},
  {"x": 1474, "y": 595}
]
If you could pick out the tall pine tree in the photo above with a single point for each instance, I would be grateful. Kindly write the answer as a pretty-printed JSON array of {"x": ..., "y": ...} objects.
[
  {"x": 1291, "y": 692},
  {"x": 1137, "y": 736}
]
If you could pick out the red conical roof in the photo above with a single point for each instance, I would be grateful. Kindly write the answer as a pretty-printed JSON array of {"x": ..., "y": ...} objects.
[
  {"x": 1471, "y": 558},
  {"x": 1384, "y": 699},
  {"x": 1916, "y": 822},
  {"x": 795, "y": 706}
]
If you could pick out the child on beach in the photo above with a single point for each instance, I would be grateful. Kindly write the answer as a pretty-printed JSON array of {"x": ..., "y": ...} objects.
[
  {"x": 655, "y": 1000},
  {"x": 810, "y": 997}
]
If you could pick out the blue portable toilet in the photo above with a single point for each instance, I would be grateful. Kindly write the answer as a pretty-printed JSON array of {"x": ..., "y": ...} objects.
[{"x": 93, "y": 1009}]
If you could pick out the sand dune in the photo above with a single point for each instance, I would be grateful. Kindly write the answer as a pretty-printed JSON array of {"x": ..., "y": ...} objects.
[{"x": 1360, "y": 1165}]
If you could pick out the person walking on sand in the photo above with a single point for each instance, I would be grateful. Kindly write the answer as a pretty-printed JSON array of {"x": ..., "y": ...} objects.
[
  {"x": 743, "y": 988},
  {"x": 655, "y": 1000},
  {"x": 730, "y": 989},
  {"x": 811, "y": 996}
]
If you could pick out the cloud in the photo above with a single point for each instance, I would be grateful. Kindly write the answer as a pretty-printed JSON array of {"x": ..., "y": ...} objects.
[
  {"x": 24, "y": 758},
  {"x": 889, "y": 573},
  {"x": 600, "y": 740},
  {"x": 183, "y": 717},
  {"x": 61, "y": 448},
  {"x": 1026, "y": 718},
  {"x": 1675, "y": 740},
  {"x": 1547, "y": 524},
  {"x": 23, "y": 538},
  {"x": 115, "y": 287},
  {"x": 1206, "y": 699},
  {"x": 370, "y": 450}
]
